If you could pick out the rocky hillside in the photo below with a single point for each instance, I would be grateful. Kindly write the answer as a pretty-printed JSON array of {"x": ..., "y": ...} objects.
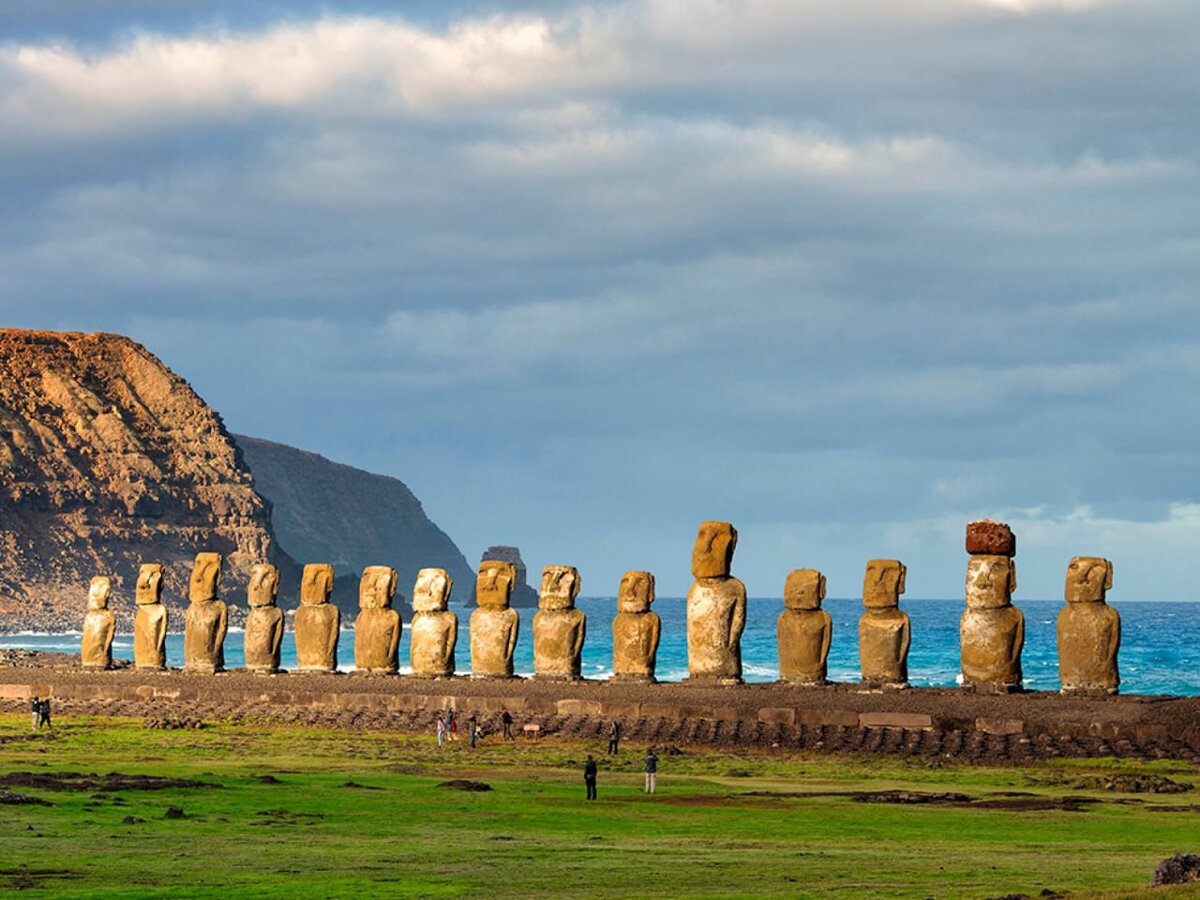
[
  {"x": 329, "y": 512},
  {"x": 108, "y": 459}
]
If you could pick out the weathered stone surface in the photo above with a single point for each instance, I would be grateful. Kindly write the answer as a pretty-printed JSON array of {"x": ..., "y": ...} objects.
[
  {"x": 999, "y": 726},
  {"x": 804, "y": 630},
  {"x": 895, "y": 720},
  {"x": 884, "y": 632},
  {"x": 992, "y": 538},
  {"x": 318, "y": 622},
  {"x": 99, "y": 626},
  {"x": 523, "y": 596},
  {"x": 1089, "y": 630},
  {"x": 263, "y": 636},
  {"x": 207, "y": 617},
  {"x": 150, "y": 623},
  {"x": 377, "y": 628},
  {"x": 494, "y": 626},
  {"x": 712, "y": 555},
  {"x": 636, "y": 630},
  {"x": 434, "y": 629},
  {"x": 716, "y": 617},
  {"x": 992, "y": 630},
  {"x": 559, "y": 628}
]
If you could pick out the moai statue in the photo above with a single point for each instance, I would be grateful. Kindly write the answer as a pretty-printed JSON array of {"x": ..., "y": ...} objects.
[
  {"x": 318, "y": 622},
  {"x": 636, "y": 629},
  {"x": 99, "y": 625},
  {"x": 264, "y": 622},
  {"x": 804, "y": 629},
  {"x": 434, "y": 629},
  {"x": 494, "y": 626},
  {"x": 558, "y": 627},
  {"x": 992, "y": 630},
  {"x": 884, "y": 632},
  {"x": 716, "y": 608},
  {"x": 377, "y": 628},
  {"x": 150, "y": 623},
  {"x": 1089, "y": 630},
  {"x": 207, "y": 618}
]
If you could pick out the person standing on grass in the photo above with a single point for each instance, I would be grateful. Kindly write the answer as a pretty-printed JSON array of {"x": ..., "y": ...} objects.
[
  {"x": 44, "y": 718},
  {"x": 35, "y": 707},
  {"x": 441, "y": 731},
  {"x": 651, "y": 771},
  {"x": 614, "y": 737},
  {"x": 472, "y": 730},
  {"x": 506, "y": 721},
  {"x": 451, "y": 724},
  {"x": 589, "y": 777}
]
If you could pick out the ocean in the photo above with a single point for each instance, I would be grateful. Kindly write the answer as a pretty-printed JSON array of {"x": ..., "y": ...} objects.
[{"x": 1160, "y": 653}]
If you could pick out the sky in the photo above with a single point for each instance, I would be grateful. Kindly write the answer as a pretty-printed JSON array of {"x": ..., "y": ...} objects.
[{"x": 847, "y": 274}]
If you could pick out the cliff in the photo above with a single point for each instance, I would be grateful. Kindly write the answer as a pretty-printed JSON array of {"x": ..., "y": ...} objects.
[
  {"x": 329, "y": 512},
  {"x": 109, "y": 459}
]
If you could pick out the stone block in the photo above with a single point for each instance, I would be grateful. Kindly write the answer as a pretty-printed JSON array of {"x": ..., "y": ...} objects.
[
  {"x": 14, "y": 692},
  {"x": 894, "y": 720},
  {"x": 621, "y": 710},
  {"x": 999, "y": 726},
  {"x": 777, "y": 715},
  {"x": 831, "y": 717},
  {"x": 994, "y": 538},
  {"x": 578, "y": 708}
]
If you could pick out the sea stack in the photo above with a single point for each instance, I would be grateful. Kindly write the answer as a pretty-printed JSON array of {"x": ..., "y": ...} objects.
[{"x": 992, "y": 630}]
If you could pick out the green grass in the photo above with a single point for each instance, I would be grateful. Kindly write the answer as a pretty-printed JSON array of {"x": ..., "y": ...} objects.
[{"x": 703, "y": 835}]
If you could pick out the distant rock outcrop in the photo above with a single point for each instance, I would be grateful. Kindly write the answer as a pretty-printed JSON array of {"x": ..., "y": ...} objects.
[
  {"x": 523, "y": 595},
  {"x": 109, "y": 459},
  {"x": 333, "y": 513}
]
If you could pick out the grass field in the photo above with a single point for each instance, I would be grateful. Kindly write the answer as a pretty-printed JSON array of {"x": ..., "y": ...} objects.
[{"x": 363, "y": 815}]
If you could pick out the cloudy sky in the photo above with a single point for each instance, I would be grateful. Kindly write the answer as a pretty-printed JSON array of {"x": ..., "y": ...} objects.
[{"x": 845, "y": 273}]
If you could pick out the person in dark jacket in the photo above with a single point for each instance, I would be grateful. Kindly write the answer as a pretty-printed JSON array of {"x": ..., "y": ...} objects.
[
  {"x": 651, "y": 770},
  {"x": 44, "y": 717},
  {"x": 614, "y": 737},
  {"x": 589, "y": 777},
  {"x": 506, "y": 721}
]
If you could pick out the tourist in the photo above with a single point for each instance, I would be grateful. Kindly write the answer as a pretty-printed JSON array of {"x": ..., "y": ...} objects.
[
  {"x": 35, "y": 707},
  {"x": 506, "y": 721},
  {"x": 651, "y": 770},
  {"x": 472, "y": 730},
  {"x": 589, "y": 777},
  {"x": 441, "y": 731},
  {"x": 451, "y": 724},
  {"x": 614, "y": 737},
  {"x": 44, "y": 718}
]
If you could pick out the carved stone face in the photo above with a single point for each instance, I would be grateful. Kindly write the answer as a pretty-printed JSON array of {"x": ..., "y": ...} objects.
[
  {"x": 560, "y": 587},
  {"x": 884, "y": 583},
  {"x": 206, "y": 577},
  {"x": 377, "y": 587},
  {"x": 991, "y": 580},
  {"x": 431, "y": 593},
  {"x": 494, "y": 586},
  {"x": 264, "y": 585},
  {"x": 804, "y": 589},
  {"x": 98, "y": 592},
  {"x": 316, "y": 584},
  {"x": 149, "y": 584},
  {"x": 636, "y": 592},
  {"x": 1089, "y": 578},
  {"x": 712, "y": 555}
]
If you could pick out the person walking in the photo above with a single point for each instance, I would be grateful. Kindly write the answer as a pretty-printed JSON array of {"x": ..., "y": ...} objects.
[
  {"x": 44, "y": 718},
  {"x": 472, "y": 731},
  {"x": 441, "y": 731},
  {"x": 614, "y": 737},
  {"x": 651, "y": 771},
  {"x": 35, "y": 707},
  {"x": 506, "y": 721},
  {"x": 589, "y": 777},
  {"x": 452, "y": 724}
]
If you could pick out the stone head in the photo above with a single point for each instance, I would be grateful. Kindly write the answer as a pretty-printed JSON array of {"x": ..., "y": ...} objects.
[
  {"x": 431, "y": 593},
  {"x": 804, "y": 589},
  {"x": 206, "y": 577},
  {"x": 636, "y": 592},
  {"x": 98, "y": 592},
  {"x": 264, "y": 585},
  {"x": 377, "y": 587},
  {"x": 316, "y": 584},
  {"x": 712, "y": 556},
  {"x": 149, "y": 584},
  {"x": 991, "y": 580},
  {"x": 494, "y": 586},
  {"x": 560, "y": 587},
  {"x": 883, "y": 583},
  {"x": 1089, "y": 578}
]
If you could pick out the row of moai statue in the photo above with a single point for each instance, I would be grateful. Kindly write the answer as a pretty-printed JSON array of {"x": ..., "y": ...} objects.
[{"x": 992, "y": 630}]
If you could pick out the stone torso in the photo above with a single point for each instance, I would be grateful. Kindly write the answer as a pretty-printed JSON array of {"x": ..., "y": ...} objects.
[
  {"x": 1089, "y": 637},
  {"x": 883, "y": 637},
  {"x": 263, "y": 636},
  {"x": 204, "y": 636},
  {"x": 149, "y": 636},
  {"x": 804, "y": 636},
  {"x": 433, "y": 636},
  {"x": 558, "y": 636},
  {"x": 716, "y": 615},
  {"x": 317, "y": 630},
  {"x": 493, "y": 637},
  {"x": 635, "y": 644},
  {"x": 992, "y": 640},
  {"x": 98, "y": 628},
  {"x": 376, "y": 638}
]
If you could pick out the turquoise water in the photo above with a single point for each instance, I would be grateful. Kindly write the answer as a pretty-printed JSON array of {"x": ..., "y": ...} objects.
[{"x": 1160, "y": 653}]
